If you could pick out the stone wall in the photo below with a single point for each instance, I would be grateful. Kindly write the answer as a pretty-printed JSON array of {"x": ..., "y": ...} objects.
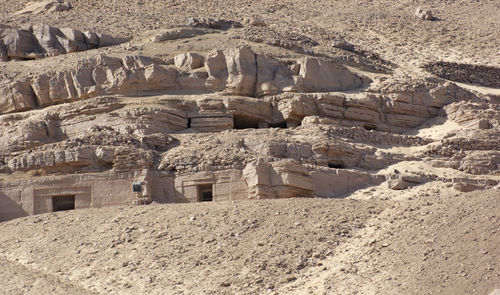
[{"x": 478, "y": 74}]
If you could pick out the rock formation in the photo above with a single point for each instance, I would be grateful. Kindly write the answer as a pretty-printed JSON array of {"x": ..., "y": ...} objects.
[
  {"x": 40, "y": 41},
  {"x": 228, "y": 123}
]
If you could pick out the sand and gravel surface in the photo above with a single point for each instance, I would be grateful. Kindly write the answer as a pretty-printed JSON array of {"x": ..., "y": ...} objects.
[
  {"x": 465, "y": 31},
  {"x": 436, "y": 243}
]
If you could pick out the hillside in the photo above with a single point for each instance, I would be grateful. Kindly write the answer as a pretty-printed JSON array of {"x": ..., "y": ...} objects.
[
  {"x": 249, "y": 147},
  {"x": 435, "y": 243}
]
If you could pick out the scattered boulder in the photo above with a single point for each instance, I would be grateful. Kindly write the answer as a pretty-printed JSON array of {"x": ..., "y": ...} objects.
[
  {"x": 425, "y": 14},
  {"x": 19, "y": 43},
  {"x": 397, "y": 184}
]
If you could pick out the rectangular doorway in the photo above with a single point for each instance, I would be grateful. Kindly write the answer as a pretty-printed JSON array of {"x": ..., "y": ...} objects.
[
  {"x": 63, "y": 203},
  {"x": 205, "y": 193}
]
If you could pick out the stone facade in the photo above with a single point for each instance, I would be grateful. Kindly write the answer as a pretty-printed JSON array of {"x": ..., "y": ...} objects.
[{"x": 282, "y": 179}]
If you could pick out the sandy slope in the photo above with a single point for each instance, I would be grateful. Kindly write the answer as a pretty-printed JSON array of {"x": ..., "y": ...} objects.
[
  {"x": 467, "y": 31},
  {"x": 435, "y": 243}
]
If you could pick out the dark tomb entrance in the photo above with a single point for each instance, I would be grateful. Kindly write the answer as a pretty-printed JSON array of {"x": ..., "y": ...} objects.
[
  {"x": 63, "y": 203},
  {"x": 205, "y": 193}
]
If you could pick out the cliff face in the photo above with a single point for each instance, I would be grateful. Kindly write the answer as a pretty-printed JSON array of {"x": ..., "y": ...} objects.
[{"x": 238, "y": 110}]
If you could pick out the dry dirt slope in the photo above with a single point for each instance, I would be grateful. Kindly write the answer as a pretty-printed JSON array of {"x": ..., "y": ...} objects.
[{"x": 435, "y": 244}]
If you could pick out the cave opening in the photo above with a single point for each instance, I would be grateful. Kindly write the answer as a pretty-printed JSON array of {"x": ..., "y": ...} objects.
[
  {"x": 63, "y": 203},
  {"x": 336, "y": 164},
  {"x": 245, "y": 122},
  {"x": 205, "y": 193}
]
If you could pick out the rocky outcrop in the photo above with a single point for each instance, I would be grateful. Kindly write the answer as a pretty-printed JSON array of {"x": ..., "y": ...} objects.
[
  {"x": 101, "y": 75},
  {"x": 394, "y": 111},
  {"x": 319, "y": 128},
  {"x": 97, "y": 149},
  {"x": 38, "y": 7},
  {"x": 318, "y": 75},
  {"x": 237, "y": 71},
  {"x": 43, "y": 40},
  {"x": 282, "y": 179}
]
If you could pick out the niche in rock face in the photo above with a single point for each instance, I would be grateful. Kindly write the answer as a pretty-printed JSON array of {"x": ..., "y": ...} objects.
[
  {"x": 336, "y": 164},
  {"x": 370, "y": 127},
  {"x": 245, "y": 122}
]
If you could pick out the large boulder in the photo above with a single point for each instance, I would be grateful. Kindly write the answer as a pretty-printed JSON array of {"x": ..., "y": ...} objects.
[
  {"x": 74, "y": 41},
  {"x": 425, "y": 14},
  {"x": 19, "y": 43},
  {"x": 273, "y": 76}
]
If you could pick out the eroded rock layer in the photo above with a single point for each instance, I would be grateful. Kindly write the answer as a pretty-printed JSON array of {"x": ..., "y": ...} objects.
[{"x": 229, "y": 123}]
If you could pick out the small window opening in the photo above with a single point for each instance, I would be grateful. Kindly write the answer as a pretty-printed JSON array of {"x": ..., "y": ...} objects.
[
  {"x": 370, "y": 127},
  {"x": 205, "y": 193},
  {"x": 336, "y": 165},
  {"x": 244, "y": 122},
  {"x": 189, "y": 123},
  {"x": 136, "y": 187},
  {"x": 278, "y": 125},
  {"x": 63, "y": 203}
]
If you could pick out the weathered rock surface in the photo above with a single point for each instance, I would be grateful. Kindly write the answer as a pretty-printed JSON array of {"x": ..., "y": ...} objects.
[
  {"x": 237, "y": 71},
  {"x": 188, "y": 61},
  {"x": 321, "y": 75},
  {"x": 43, "y": 40},
  {"x": 38, "y": 7},
  {"x": 267, "y": 127}
]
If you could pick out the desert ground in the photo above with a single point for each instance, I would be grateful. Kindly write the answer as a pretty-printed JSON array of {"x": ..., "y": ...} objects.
[{"x": 384, "y": 181}]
